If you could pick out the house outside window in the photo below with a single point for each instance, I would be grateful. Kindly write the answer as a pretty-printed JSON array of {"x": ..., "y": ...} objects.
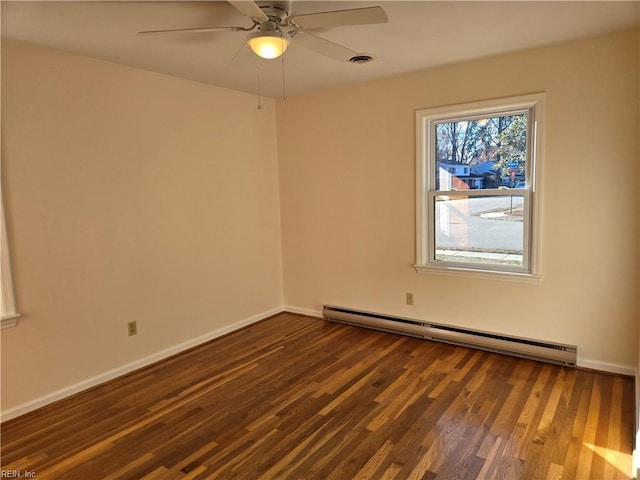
[{"x": 479, "y": 188}]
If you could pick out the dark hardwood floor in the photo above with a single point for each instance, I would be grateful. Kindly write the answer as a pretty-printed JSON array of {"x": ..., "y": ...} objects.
[{"x": 299, "y": 398}]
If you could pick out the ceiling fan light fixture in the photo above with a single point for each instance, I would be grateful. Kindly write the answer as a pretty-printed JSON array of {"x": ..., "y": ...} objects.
[{"x": 269, "y": 44}]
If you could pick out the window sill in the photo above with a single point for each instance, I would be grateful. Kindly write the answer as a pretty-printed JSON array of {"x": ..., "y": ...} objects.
[
  {"x": 481, "y": 274},
  {"x": 10, "y": 321}
]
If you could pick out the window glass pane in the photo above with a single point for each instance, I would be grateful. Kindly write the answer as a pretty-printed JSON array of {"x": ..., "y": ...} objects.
[
  {"x": 481, "y": 153},
  {"x": 483, "y": 230}
]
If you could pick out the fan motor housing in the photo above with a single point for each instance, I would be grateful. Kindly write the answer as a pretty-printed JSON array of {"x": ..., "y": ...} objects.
[{"x": 279, "y": 10}]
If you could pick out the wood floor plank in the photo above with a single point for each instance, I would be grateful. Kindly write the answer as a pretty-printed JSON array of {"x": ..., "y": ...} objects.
[
  {"x": 298, "y": 398},
  {"x": 585, "y": 463}
]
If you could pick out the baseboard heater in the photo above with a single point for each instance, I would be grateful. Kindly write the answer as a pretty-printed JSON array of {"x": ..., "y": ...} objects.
[{"x": 520, "y": 347}]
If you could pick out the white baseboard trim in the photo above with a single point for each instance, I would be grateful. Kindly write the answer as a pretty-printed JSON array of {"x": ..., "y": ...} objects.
[
  {"x": 303, "y": 311},
  {"x": 608, "y": 367},
  {"x": 130, "y": 367}
]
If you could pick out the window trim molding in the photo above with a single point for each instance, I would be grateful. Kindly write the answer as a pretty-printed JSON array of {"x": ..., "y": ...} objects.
[
  {"x": 425, "y": 117},
  {"x": 11, "y": 317}
]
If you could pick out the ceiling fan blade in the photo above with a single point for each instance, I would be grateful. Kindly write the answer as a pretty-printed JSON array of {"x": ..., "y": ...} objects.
[
  {"x": 356, "y": 16},
  {"x": 192, "y": 30},
  {"x": 322, "y": 46},
  {"x": 250, "y": 9}
]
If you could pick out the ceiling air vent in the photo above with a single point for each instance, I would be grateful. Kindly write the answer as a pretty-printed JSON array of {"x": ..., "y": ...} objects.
[{"x": 361, "y": 58}]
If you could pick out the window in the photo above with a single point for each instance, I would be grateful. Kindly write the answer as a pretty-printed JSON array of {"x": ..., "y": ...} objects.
[
  {"x": 9, "y": 314},
  {"x": 478, "y": 188}
]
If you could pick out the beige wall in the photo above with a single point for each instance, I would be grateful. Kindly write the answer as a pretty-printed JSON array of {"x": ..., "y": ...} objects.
[
  {"x": 130, "y": 196},
  {"x": 347, "y": 163},
  {"x": 636, "y": 453}
]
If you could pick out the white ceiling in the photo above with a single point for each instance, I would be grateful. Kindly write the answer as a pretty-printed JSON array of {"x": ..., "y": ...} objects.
[{"x": 419, "y": 34}]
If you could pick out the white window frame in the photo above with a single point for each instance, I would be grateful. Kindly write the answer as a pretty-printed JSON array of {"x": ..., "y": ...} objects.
[
  {"x": 9, "y": 314},
  {"x": 426, "y": 119}
]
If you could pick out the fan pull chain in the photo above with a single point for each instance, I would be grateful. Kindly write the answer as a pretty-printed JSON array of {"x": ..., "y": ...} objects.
[
  {"x": 259, "y": 89},
  {"x": 284, "y": 94}
]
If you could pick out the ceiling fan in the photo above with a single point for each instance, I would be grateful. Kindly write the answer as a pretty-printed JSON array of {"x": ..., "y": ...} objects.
[{"x": 275, "y": 28}]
